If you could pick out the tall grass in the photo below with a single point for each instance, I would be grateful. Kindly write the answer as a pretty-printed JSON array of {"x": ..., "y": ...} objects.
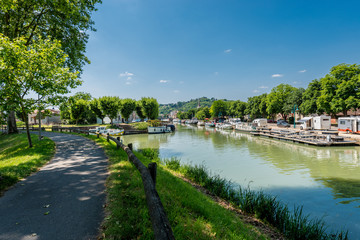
[{"x": 293, "y": 224}]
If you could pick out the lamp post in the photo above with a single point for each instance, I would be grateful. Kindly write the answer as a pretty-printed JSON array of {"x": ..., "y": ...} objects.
[{"x": 294, "y": 111}]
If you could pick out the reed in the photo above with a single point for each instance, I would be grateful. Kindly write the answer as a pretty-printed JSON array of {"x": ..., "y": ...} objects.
[{"x": 293, "y": 224}]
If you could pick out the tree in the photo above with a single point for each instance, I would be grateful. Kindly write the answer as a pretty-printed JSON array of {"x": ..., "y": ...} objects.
[
  {"x": 110, "y": 106},
  {"x": 256, "y": 106},
  {"x": 294, "y": 99},
  {"x": 340, "y": 89},
  {"x": 127, "y": 107},
  {"x": 150, "y": 107},
  {"x": 38, "y": 68},
  {"x": 237, "y": 108},
  {"x": 139, "y": 110},
  {"x": 65, "y": 107},
  {"x": 203, "y": 113},
  {"x": 66, "y": 21},
  {"x": 310, "y": 98},
  {"x": 95, "y": 107},
  {"x": 218, "y": 108},
  {"x": 277, "y": 99},
  {"x": 79, "y": 110}
]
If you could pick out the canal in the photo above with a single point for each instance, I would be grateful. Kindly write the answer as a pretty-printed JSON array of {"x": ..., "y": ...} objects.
[{"x": 324, "y": 180}]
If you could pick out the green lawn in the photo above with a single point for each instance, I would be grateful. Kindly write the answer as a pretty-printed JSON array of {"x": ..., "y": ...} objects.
[
  {"x": 192, "y": 215},
  {"x": 18, "y": 161}
]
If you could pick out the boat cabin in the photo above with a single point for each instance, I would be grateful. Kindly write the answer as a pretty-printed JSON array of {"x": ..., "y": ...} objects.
[
  {"x": 259, "y": 122},
  {"x": 316, "y": 123}
]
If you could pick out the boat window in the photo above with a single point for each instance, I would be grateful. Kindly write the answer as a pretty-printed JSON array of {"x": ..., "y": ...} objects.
[{"x": 342, "y": 122}]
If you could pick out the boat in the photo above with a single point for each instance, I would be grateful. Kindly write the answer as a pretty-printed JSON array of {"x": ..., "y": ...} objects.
[
  {"x": 104, "y": 130},
  {"x": 161, "y": 129},
  {"x": 209, "y": 124},
  {"x": 224, "y": 126},
  {"x": 201, "y": 123}
]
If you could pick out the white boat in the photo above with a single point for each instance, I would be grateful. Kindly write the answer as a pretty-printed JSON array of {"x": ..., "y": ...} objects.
[
  {"x": 224, "y": 126},
  {"x": 201, "y": 123},
  {"x": 103, "y": 130},
  {"x": 161, "y": 129},
  {"x": 209, "y": 124}
]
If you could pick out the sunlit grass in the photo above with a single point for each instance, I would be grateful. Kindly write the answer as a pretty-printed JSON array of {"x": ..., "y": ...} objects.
[{"x": 18, "y": 161}]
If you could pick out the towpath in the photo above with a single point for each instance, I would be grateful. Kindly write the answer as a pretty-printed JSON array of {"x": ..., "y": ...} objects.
[{"x": 64, "y": 200}]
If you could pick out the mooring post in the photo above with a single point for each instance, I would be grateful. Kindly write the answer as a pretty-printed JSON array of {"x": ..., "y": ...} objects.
[
  {"x": 130, "y": 146},
  {"x": 152, "y": 169}
]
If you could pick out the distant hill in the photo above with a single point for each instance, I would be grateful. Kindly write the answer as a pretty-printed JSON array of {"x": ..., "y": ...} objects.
[{"x": 186, "y": 106}]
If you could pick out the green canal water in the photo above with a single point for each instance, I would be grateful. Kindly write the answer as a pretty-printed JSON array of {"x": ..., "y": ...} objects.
[{"x": 324, "y": 180}]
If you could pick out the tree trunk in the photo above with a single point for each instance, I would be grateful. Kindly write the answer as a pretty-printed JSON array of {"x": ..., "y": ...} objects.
[
  {"x": 28, "y": 132},
  {"x": 102, "y": 121},
  {"x": 11, "y": 123}
]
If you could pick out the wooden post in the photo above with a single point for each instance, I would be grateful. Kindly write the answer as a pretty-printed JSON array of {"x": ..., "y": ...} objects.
[
  {"x": 98, "y": 135},
  {"x": 130, "y": 146},
  {"x": 107, "y": 138},
  {"x": 152, "y": 169}
]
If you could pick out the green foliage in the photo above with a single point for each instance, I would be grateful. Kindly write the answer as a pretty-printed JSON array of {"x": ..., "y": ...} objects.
[
  {"x": 110, "y": 106},
  {"x": 310, "y": 98},
  {"x": 278, "y": 99},
  {"x": 66, "y": 21},
  {"x": 79, "y": 110},
  {"x": 139, "y": 110},
  {"x": 186, "y": 106},
  {"x": 150, "y": 107},
  {"x": 127, "y": 107},
  {"x": 237, "y": 109},
  {"x": 17, "y": 161},
  {"x": 340, "y": 89},
  {"x": 219, "y": 108},
  {"x": 95, "y": 108},
  {"x": 140, "y": 125},
  {"x": 203, "y": 113},
  {"x": 256, "y": 106}
]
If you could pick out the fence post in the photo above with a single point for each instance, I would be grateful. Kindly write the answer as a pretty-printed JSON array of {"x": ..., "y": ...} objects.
[
  {"x": 130, "y": 146},
  {"x": 98, "y": 135},
  {"x": 107, "y": 138},
  {"x": 152, "y": 169}
]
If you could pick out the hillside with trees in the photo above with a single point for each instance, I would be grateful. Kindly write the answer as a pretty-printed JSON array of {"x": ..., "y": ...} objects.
[{"x": 186, "y": 106}]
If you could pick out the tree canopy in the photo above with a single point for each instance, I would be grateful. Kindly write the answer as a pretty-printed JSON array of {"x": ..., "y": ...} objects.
[
  {"x": 38, "y": 68},
  {"x": 127, "y": 107},
  {"x": 150, "y": 107}
]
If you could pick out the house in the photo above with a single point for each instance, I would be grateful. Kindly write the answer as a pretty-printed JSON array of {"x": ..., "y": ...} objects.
[
  {"x": 118, "y": 119},
  {"x": 51, "y": 119}
]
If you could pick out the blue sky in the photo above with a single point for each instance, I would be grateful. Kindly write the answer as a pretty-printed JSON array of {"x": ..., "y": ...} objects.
[{"x": 176, "y": 50}]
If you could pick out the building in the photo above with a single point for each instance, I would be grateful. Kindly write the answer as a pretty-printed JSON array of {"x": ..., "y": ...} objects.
[{"x": 52, "y": 119}]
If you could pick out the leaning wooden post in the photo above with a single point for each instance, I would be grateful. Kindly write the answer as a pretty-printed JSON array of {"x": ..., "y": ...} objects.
[
  {"x": 152, "y": 169},
  {"x": 98, "y": 135},
  {"x": 130, "y": 146},
  {"x": 107, "y": 137}
]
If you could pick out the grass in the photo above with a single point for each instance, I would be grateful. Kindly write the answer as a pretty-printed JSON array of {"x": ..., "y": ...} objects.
[
  {"x": 17, "y": 161},
  {"x": 140, "y": 125},
  {"x": 292, "y": 224},
  {"x": 191, "y": 214}
]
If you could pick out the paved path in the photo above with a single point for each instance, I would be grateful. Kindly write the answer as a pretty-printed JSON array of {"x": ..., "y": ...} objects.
[{"x": 64, "y": 200}]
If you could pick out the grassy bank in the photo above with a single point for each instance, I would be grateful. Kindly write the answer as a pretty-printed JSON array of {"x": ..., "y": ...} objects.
[
  {"x": 293, "y": 224},
  {"x": 17, "y": 161},
  {"x": 192, "y": 214}
]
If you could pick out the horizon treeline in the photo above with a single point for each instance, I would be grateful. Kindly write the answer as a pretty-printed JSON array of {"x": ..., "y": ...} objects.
[{"x": 337, "y": 92}]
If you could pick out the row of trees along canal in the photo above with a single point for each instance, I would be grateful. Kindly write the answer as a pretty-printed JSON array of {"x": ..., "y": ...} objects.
[
  {"x": 43, "y": 47},
  {"x": 338, "y": 91},
  {"x": 82, "y": 108}
]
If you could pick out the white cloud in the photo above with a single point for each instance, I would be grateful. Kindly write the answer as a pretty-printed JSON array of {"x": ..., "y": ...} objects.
[
  {"x": 228, "y": 50},
  {"x": 126, "y": 74},
  {"x": 277, "y": 75},
  {"x": 263, "y": 87},
  {"x": 255, "y": 91},
  {"x": 164, "y": 81},
  {"x": 302, "y": 71},
  {"x": 176, "y": 91}
]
